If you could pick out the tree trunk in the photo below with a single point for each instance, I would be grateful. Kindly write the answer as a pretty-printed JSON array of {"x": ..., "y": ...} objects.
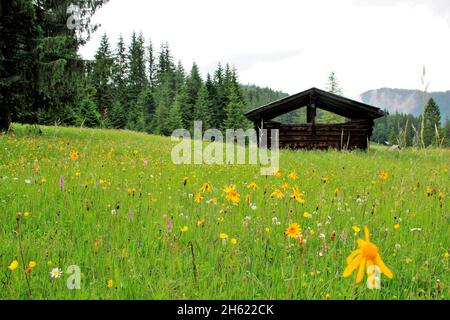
[{"x": 5, "y": 120}]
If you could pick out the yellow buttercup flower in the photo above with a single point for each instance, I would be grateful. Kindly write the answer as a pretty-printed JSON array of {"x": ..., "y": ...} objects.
[
  {"x": 356, "y": 229},
  {"x": 32, "y": 264},
  {"x": 293, "y": 231},
  {"x": 223, "y": 236},
  {"x": 110, "y": 283},
  {"x": 233, "y": 241},
  {"x": 200, "y": 222},
  {"x": 184, "y": 229},
  {"x": 325, "y": 179},
  {"x": 13, "y": 266},
  {"x": 397, "y": 226},
  {"x": 364, "y": 257},
  {"x": 306, "y": 214},
  {"x": 266, "y": 229}
]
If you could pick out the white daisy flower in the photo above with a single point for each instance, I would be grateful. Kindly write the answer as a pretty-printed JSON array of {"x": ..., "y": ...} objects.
[{"x": 56, "y": 273}]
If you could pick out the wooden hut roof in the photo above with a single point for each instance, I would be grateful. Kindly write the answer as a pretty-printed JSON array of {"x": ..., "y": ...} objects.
[{"x": 323, "y": 100}]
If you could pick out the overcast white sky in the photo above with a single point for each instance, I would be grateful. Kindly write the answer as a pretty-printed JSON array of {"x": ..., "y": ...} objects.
[{"x": 292, "y": 45}]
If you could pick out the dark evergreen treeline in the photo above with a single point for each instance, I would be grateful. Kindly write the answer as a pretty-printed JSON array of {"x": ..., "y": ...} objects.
[
  {"x": 138, "y": 88},
  {"x": 407, "y": 130},
  {"x": 41, "y": 75}
]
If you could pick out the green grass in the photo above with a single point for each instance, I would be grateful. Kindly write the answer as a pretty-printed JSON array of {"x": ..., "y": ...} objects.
[{"x": 77, "y": 226}]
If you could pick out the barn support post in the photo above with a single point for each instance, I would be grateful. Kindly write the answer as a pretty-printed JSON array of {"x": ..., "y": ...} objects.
[{"x": 311, "y": 113}]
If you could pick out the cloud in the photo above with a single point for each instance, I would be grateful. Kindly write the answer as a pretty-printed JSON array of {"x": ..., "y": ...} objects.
[
  {"x": 246, "y": 61},
  {"x": 440, "y": 8}
]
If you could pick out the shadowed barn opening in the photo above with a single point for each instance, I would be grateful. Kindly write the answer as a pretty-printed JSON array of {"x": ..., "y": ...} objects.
[{"x": 354, "y": 133}]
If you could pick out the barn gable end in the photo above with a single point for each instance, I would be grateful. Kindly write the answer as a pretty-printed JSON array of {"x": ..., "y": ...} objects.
[{"x": 354, "y": 134}]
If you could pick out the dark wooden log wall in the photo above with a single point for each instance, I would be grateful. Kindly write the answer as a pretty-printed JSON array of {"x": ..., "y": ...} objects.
[{"x": 350, "y": 135}]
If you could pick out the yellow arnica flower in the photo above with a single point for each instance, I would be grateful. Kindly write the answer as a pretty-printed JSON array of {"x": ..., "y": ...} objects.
[
  {"x": 184, "y": 229},
  {"x": 200, "y": 222},
  {"x": 356, "y": 229},
  {"x": 13, "y": 266},
  {"x": 74, "y": 156},
  {"x": 397, "y": 226},
  {"x": 233, "y": 196},
  {"x": 297, "y": 195},
  {"x": 383, "y": 175},
  {"x": 223, "y": 236},
  {"x": 293, "y": 231},
  {"x": 365, "y": 256},
  {"x": 110, "y": 283},
  {"x": 233, "y": 241},
  {"x": 198, "y": 198},
  {"x": 325, "y": 179},
  {"x": 293, "y": 175},
  {"x": 230, "y": 188},
  {"x": 32, "y": 264},
  {"x": 267, "y": 229},
  {"x": 277, "y": 173},
  {"x": 306, "y": 214},
  {"x": 252, "y": 186},
  {"x": 277, "y": 193},
  {"x": 206, "y": 187}
]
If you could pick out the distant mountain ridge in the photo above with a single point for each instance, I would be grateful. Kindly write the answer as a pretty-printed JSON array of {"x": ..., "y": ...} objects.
[{"x": 406, "y": 101}]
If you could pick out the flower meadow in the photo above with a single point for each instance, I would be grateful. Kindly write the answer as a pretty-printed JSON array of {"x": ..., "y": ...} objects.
[{"x": 327, "y": 225}]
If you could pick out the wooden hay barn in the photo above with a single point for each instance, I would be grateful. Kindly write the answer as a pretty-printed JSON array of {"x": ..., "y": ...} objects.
[{"x": 353, "y": 134}]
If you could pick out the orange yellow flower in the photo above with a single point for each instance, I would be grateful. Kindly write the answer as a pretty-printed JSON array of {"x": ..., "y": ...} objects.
[
  {"x": 233, "y": 241},
  {"x": 232, "y": 194},
  {"x": 223, "y": 236},
  {"x": 184, "y": 229},
  {"x": 198, "y": 198},
  {"x": 74, "y": 155},
  {"x": 297, "y": 195},
  {"x": 293, "y": 175},
  {"x": 110, "y": 283},
  {"x": 206, "y": 187},
  {"x": 13, "y": 266},
  {"x": 293, "y": 231},
  {"x": 32, "y": 264},
  {"x": 383, "y": 175},
  {"x": 277, "y": 193},
  {"x": 365, "y": 256},
  {"x": 252, "y": 186}
]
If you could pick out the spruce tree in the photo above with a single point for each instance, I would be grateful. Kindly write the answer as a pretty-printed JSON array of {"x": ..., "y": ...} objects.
[
  {"x": 19, "y": 36},
  {"x": 236, "y": 106},
  {"x": 203, "y": 108},
  {"x": 103, "y": 77},
  {"x": 175, "y": 119},
  {"x": 152, "y": 67},
  {"x": 431, "y": 119},
  {"x": 190, "y": 96},
  {"x": 219, "y": 113},
  {"x": 324, "y": 116},
  {"x": 120, "y": 71},
  {"x": 137, "y": 78}
]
